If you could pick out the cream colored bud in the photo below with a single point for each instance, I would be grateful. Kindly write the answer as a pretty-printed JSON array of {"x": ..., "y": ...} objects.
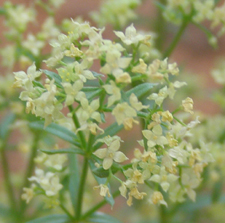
[{"x": 188, "y": 105}]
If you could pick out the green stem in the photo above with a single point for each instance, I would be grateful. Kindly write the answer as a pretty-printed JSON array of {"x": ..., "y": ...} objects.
[
  {"x": 81, "y": 189},
  {"x": 8, "y": 183},
  {"x": 29, "y": 169},
  {"x": 66, "y": 211},
  {"x": 179, "y": 121},
  {"x": 90, "y": 143},
  {"x": 163, "y": 214},
  {"x": 77, "y": 125},
  {"x": 176, "y": 39},
  {"x": 160, "y": 28},
  {"x": 98, "y": 206}
]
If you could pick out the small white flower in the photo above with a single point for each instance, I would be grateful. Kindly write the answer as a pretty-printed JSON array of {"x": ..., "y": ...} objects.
[{"x": 111, "y": 153}]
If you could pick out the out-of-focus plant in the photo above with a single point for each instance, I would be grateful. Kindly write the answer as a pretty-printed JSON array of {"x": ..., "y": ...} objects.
[{"x": 86, "y": 90}]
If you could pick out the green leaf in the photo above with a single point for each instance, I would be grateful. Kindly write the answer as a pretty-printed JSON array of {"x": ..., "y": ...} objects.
[
  {"x": 217, "y": 191},
  {"x": 2, "y": 11},
  {"x": 38, "y": 84},
  {"x": 102, "y": 173},
  {"x": 5, "y": 211},
  {"x": 160, "y": 5},
  {"x": 5, "y": 124},
  {"x": 97, "y": 74},
  {"x": 74, "y": 179},
  {"x": 92, "y": 92},
  {"x": 51, "y": 75},
  {"x": 22, "y": 51},
  {"x": 202, "y": 201},
  {"x": 100, "y": 217},
  {"x": 102, "y": 180},
  {"x": 141, "y": 90},
  {"x": 66, "y": 150},
  {"x": 55, "y": 218},
  {"x": 57, "y": 130}
]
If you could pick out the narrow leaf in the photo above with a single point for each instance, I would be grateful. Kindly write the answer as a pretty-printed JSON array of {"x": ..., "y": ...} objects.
[
  {"x": 5, "y": 211},
  {"x": 2, "y": 11},
  {"x": 57, "y": 130},
  {"x": 92, "y": 92},
  {"x": 160, "y": 5},
  {"x": 38, "y": 84},
  {"x": 100, "y": 217},
  {"x": 141, "y": 90},
  {"x": 55, "y": 218},
  {"x": 22, "y": 51},
  {"x": 102, "y": 173},
  {"x": 74, "y": 179},
  {"x": 51, "y": 75},
  {"x": 97, "y": 74},
  {"x": 66, "y": 150},
  {"x": 102, "y": 180},
  {"x": 5, "y": 124}
]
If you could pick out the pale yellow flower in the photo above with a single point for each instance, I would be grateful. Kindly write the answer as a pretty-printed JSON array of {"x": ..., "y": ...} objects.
[
  {"x": 22, "y": 78},
  {"x": 163, "y": 178},
  {"x": 72, "y": 90},
  {"x": 166, "y": 116},
  {"x": 104, "y": 190},
  {"x": 155, "y": 136},
  {"x": 49, "y": 182},
  {"x": 157, "y": 198},
  {"x": 137, "y": 105},
  {"x": 188, "y": 105},
  {"x": 111, "y": 154},
  {"x": 132, "y": 37},
  {"x": 124, "y": 114},
  {"x": 28, "y": 194},
  {"x": 140, "y": 68},
  {"x": 114, "y": 91},
  {"x": 159, "y": 98}
]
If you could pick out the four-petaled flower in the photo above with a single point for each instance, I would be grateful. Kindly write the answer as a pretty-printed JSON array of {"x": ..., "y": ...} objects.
[{"x": 111, "y": 153}]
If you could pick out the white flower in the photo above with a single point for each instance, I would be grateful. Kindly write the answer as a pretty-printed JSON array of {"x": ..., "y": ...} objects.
[
  {"x": 163, "y": 178},
  {"x": 72, "y": 90},
  {"x": 22, "y": 78},
  {"x": 124, "y": 115},
  {"x": 104, "y": 190},
  {"x": 159, "y": 98},
  {"x": 111, "y": 153},
  {"x": 188, "y": 105},
  {"x": 155, "y": 136},
  {"x": 28, "y": 194},
  {"x": 132, "y": 37},
  {"x": 114, "y": 91},
  {"x": 157, "y": 198},
  {"x": 49, "y": 182}
]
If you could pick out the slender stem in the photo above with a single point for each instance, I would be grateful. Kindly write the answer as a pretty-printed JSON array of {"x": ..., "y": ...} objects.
[
  {"x": 176, "y": 38},
  {"x": 77, "y": 124},
  {"x": 8, "y": 183},
  {"x": 160, "y": 28},
  {"x": 66, "y": 211},
  {"x": 98, "y": 206},
  {"x": 179, "y": 121},
  {"x": 90, "y": 143},
  {"x": 81, "y": 188},
  {"x": 164, "y": 217},
  {"x": 29, "y": 169}
]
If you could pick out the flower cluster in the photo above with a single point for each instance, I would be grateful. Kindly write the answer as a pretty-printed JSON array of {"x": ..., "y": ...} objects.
[
  {"x": 197, "y": 11},
  {"x": 166, "y": 162},
  {"x": 46, "y": 182},
  {"x": 116, "y": 12}
]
